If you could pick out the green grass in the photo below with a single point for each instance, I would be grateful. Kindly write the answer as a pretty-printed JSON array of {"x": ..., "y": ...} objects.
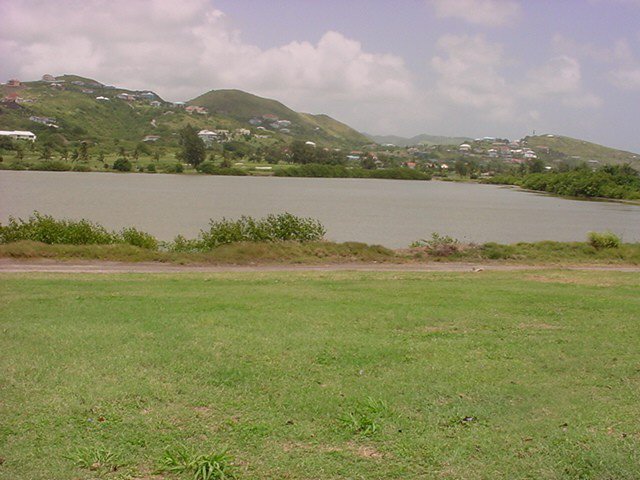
[{"x": 529, "y": 375}]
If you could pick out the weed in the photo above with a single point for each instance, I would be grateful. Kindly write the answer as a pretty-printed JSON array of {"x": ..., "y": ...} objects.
[
  {"x": 366, "y": 418},
  {"x": 439, "y": 245},
  {"x": 213, "y": 466},
  {"x": 600, "y": 240},
  {"x": 95, "y": 458}
]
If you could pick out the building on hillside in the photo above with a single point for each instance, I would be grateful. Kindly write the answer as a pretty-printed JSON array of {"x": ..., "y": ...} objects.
[
  {"x": 242, "y": 131},
  {"x": 147, "y": 95},
  {"x": 104, "y": 99},
  {"x": 209, "y": 137},
  {"x": 465, "y": 147},
  {"x": 78, "y": 83},
  {"x": 255, "y": 121},
  {"x": 18, "y": 135},
  {"x": 196, "y": 109},
  {"x": 151, "y": 138},
  {"x": 14, "y": 83},
  {"x": 49, "y": 122},
  {"x": 270, "y": 116},
  {"x": 126, "y": 96},
  {"x": 310, "y": 143},
  {"x": 155, "y": 103},
  {"x": 48, "y": 78}
]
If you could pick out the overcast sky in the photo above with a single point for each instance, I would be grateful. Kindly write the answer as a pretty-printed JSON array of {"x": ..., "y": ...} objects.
[{"x": 449, "y": 67}]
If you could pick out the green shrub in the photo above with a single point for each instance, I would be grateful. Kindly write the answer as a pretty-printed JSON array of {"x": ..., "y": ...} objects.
[
  {"x": 272, "y": 228},
  {"x": 601, "y": 240},
  {"x": 496, "y": 251},
  {"x": 439, "y": 245},
  {"x": 137, "y": 238},
  {"x": 81, "y": 168},
  {"x": 212, "y": 169},
  {"x": 46, "y": 229},
  {"x": 151, "y": 168},
  {"x": 122, "y": 165},
  {"x": 52, "y": 166}
]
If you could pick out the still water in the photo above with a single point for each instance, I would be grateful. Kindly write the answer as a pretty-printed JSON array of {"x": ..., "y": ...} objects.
[{"x": 388, "y": 212}]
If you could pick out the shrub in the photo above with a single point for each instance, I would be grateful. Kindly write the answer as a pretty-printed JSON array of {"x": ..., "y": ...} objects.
[
  {"x": 137, "y": 238},
  {"x": 601, "y": 240},
  {"x": 81, "y": 168},
  {"x": 151, "y": 168},
  {"x": 122, "y": 165},
  {"x": 439, "y": 245},
  {"x": 46, "y": 229},
  {"x": 212, "y": 169},
  {"x": 271, "y": 228},
  {"x": 52, "y": 166}
]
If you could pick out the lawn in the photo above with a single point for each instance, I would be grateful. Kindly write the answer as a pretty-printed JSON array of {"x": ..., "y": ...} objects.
[{"x": 322, "y": 375}]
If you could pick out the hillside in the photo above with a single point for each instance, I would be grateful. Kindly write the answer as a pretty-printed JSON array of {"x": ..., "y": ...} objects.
[
  {"x": 71, "y": 108},
  {"x": 559, "y": 148},
  {"x": 422, "y": 139},
  {"x": 245, "y": 107}
]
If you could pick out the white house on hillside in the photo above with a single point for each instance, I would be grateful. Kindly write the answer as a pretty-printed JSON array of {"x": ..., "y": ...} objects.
[{"x": 18, "y": 135}]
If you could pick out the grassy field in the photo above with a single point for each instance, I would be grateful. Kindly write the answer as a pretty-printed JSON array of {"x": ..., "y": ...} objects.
[{"x": 322, "y": 375}]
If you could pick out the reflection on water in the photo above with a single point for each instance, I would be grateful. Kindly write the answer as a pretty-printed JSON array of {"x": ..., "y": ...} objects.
[{"x": 388, "y": 212}]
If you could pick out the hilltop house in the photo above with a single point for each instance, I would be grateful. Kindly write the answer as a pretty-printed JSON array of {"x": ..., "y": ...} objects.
[{"x": 18, "y": 135}]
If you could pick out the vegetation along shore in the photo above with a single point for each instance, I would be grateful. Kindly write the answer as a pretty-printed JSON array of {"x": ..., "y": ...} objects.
[{"x": 285, "y": 239}]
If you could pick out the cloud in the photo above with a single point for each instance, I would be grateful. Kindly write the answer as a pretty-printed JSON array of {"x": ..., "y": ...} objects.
[
  {"x": 626, "y": 78},
  {"x": 469, "y": 75},
  {"x": 181, "y": 48},
  {"x": 489, "y": 13}
]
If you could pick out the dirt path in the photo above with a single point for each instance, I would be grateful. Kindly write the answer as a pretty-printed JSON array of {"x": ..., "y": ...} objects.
[{"x": 8, "y": 265}]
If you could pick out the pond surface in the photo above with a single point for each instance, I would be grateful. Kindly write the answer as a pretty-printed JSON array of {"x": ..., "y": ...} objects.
[{"x": 388, "y": 212}]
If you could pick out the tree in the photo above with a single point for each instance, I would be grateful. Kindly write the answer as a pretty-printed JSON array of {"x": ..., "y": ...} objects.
[
  {"x": 83, "y": 153},
  {"x": 192, "y": 147}
]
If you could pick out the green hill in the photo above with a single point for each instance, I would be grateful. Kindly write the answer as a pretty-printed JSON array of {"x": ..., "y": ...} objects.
[
  {"x": 559, "y": 148},
  {"x": 72, "y": 108},
  {"x": 245, "y": 107}
]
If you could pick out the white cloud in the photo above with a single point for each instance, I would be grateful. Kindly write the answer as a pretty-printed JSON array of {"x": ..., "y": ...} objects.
[
  {"x": 626, "y": 78},
  {"x": 560, "y": 78},
  {"x": 490, "y": 13},
  {"x": 469, "y": 74},
  {"x": 182, "y": 48}
]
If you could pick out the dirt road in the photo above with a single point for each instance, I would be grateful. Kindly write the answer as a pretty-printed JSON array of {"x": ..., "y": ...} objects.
[{"x": 8, "y": 265}]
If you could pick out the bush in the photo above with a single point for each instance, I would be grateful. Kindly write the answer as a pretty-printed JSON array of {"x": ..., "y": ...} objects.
[
  {"x": 339, "y": 171},
  {"x": 212, "y": 169},
  {"x": 46, "y": 229},
  {"x": 137, "y": 238},
  {"x": 122, "y": 165},
  {"x": 151, "y": 168},
  {"x": 271, "y": 228},
  {"x": 439, "y": 245},
  {"x": 601, "y": 240},
  {"x": 81, "y": 168},
  {"x": 52, "y": 166}
]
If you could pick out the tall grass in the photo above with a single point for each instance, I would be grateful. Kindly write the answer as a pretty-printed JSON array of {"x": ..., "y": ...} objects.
[
  {"x": 283, "y": 227},
  {"x": 46, "y": 229}
]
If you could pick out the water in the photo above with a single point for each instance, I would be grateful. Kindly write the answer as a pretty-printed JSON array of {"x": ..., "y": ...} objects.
[{"x": 388, "y": 212}]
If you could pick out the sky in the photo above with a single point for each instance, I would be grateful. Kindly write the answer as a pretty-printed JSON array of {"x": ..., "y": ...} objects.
[{"x": 502, "y": 68}]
